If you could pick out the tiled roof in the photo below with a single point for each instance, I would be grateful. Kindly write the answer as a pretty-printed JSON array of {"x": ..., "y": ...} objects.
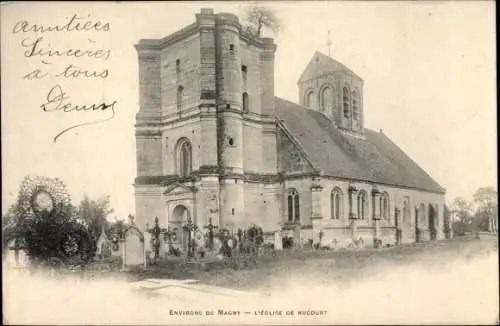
[
  {"x": 320, "y": 65},
  {"x": 372, "y": 157}
]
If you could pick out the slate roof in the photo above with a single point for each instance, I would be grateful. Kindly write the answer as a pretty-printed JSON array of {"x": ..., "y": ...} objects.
[
  {"x": 372, "y": 158},
  {"x": 322, "y": 64}
]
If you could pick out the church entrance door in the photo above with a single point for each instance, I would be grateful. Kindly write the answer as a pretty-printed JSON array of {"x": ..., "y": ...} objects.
[{"x": 176, "y": 224}]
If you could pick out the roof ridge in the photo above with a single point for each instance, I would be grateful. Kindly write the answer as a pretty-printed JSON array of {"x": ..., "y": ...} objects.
[
  {"x": 329, "y": 65},
  {"x": 374, "y": 158}
]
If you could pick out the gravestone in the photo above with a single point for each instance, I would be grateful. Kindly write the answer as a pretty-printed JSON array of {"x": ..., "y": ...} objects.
[
  {"x": 148, "y": 244},
  {"x": 134, "y": 253},
  {"x": 15, "y": 255},
  {"x": 278, "y": 241},
  {"x": 217, "y": 248},
  {"x": 104, "y": 249}
]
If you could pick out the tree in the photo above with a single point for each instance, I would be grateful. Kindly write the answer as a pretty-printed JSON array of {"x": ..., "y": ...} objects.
[
  {"x": 58, "y": 237},
  {"x": 257, "y": 18},
  {"x": 447, "y": 221},
  {"x": 117, "y": 228},
  {"x": 486, "y": 200},
  {"x": 10, "y": 216},
  {"x": 462, "y": 209},
  {"x": 94, "y": 214},
  {"x": 43, "y": 221}
]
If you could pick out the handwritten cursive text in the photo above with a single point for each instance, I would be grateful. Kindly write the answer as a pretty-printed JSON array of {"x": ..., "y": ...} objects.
[
  {"x": 58, "y": 100},
  {"x": 35, "y": 48},
  {"x": 72, "y": 24}
]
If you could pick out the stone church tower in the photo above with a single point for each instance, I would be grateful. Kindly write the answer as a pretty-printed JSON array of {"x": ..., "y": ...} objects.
[
  {"x": 214, "y": 144},
  {"x": 333, "y": 89},
  {"x": 206, "y": 133}
]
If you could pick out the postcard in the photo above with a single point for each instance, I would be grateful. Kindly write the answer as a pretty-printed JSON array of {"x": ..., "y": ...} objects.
[{"x": 279, "y": 162}]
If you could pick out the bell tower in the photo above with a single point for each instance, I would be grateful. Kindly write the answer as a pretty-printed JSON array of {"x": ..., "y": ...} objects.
[
  {"x": 229, "y": 108},
  {"x": 206, "y": 122},
  {"x": 331, "y": 88}
]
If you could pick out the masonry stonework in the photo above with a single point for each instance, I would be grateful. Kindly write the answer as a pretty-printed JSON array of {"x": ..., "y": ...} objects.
[{"x": 214, "y": 144}]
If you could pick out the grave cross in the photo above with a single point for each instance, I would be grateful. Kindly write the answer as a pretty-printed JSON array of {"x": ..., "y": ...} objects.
[
  {"x": 190, "y": 227},
  {"x": 156, "y": 233},
  {"x": 211, "y": 229}
]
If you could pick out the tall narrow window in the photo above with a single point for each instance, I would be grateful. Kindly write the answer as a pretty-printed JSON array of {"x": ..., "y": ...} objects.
[
  {"x": 293, "y": 206},
  {"x": 406, "y": 210},
  {"x": 309, "y": 99},
  {"x": 297, "y": 207},
  {"x": 178, "y": 65},
  {"x": 422, "y": 214},
  {"x": 326, "y": 99},
  {"x": 384, "y": 206},
  {"x": 290, "y": 208},
  {"x": 246, "y": 107},
  {"x": 346, "y": 100},
  {"x": 231, "y": 48},
  {"x": 355, "y": 105},
  {"x": 336, "y": 203},
  {"x": 184, "y": 157},
  {"x": 361, "y": 205},
  {"x": 337, "y": 206},
  {"x": 180, "y": 97}
]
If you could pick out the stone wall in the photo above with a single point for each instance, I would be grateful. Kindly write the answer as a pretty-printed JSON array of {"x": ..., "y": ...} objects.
[
  {"x": 187, "y": 75},
  {"x": 147, "y": 205},
  {"x": 341, "y": 230},
  {"x": 250, "y": 58},
  {"x": 148, "y": 154},
  {"x": 171, "y": 134}
]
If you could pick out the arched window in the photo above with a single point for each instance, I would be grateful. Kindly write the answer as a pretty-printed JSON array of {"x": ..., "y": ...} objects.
[
  {"x": 355, "y": 105},
  {"x": 406, "y": 211},
  {"x": 297, "y": 207},
  {"x": 326, "y": 99},
  {"x": 422, "y": 215},
  {"x": 184, "y": 157},
  {"x": 246, "y": 107},
  {"x": 309, "y": 99},
  {"x": 336, "y": 203},
  {"x": 293, "y": 205},
  {"x": 384, "y": 206},
  {"x": 180, "y": 97},
  {"x": 290, "y": 208},
  {"x": 347, "y": 102},
  {"x": 361, "y": 204}
]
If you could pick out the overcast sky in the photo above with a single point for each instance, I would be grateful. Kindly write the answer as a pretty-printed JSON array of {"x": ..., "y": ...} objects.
[{"x": 429, "y": 72}]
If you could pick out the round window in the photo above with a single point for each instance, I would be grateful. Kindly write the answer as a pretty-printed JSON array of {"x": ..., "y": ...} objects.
[{"x": 231, "y": 141}]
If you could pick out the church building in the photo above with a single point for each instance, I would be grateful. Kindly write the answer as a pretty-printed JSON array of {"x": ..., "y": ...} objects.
[{"x": 214, "y": 144}]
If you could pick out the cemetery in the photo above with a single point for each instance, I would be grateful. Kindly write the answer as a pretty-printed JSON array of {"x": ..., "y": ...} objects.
[{"x": 211, "y": 254}]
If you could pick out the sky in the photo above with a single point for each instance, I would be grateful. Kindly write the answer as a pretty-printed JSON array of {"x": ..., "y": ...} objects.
[{"x": 428, "y": 67}]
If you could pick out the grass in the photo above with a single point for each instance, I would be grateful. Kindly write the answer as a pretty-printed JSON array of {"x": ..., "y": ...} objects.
[{"x": 322, "y": 266}]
